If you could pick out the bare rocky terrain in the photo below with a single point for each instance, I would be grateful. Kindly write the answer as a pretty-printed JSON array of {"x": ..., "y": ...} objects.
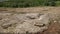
[{"x": 35, "y": 20}]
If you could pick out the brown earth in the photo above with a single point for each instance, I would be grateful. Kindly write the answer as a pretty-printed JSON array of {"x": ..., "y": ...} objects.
[
  {"x": 54, "y": 28},
  {"x": 32, "y": 9}
]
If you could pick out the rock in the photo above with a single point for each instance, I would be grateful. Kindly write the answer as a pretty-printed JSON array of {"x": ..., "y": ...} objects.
[
  {"x": 34, "y": 26},
  {"x": 44, "y": 19},
  {"x": 22, "y": 23},
  {"x": 33, "y": 15}
]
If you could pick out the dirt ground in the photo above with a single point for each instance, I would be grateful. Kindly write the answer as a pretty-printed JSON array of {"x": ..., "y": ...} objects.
[
  {"x": 54, "y": 28},
  {"x": 32, "y": 9}
]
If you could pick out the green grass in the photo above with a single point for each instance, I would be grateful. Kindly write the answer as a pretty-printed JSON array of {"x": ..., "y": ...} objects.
[
  {"x": 57, "y": 3},
  {"x": 29, "y": 3}
]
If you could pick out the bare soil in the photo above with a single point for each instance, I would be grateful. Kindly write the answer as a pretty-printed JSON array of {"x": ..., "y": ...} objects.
[{"x": 54, "y": 28}]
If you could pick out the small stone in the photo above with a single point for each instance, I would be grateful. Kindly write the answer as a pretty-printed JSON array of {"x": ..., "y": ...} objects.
[{"x": 55, "y": 21}]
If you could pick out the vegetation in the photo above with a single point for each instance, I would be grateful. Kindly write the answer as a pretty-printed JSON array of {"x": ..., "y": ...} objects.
[{"x": 29, "y": 3}]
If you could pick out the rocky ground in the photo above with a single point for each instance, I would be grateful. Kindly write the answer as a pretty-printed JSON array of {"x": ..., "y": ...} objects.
[{"x": 35, "y": 20}]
